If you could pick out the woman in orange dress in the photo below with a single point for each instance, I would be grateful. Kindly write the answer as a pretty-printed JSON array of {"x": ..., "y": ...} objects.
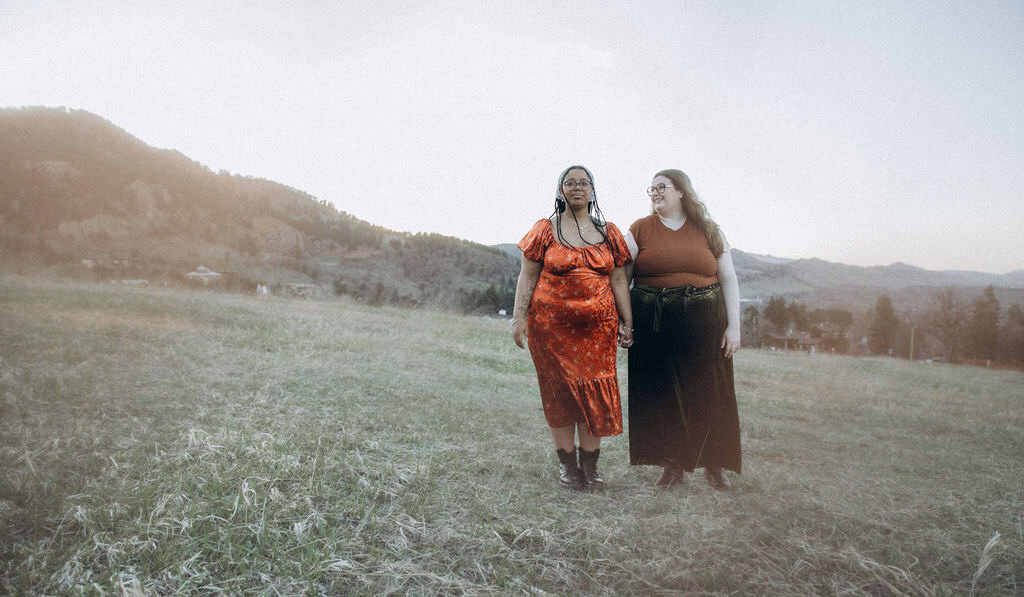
[{"x": 572, "y": 303}]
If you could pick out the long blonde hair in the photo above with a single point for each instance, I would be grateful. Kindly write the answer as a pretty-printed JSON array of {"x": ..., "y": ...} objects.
[{"x": 695, "y": 210}]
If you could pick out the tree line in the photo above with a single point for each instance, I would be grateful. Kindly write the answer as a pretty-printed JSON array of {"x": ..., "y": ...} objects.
[
  {"x": 951, "y": 327},
  {"x": 780, "y": 318}
]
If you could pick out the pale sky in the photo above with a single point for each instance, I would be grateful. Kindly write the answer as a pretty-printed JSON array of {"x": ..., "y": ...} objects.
[{"x": 858, "y": 132}]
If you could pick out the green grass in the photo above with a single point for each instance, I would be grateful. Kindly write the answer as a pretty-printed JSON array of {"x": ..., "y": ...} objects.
[{"x": 165, "y": 442}]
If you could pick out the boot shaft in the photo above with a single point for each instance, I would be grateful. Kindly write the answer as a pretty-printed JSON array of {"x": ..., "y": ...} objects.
[
  {"x": 568, "y": 471},
  {"x": 588, "y": 468}
]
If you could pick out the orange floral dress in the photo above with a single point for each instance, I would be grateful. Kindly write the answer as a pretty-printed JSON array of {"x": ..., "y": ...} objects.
[{"x": 572, "y": 329}]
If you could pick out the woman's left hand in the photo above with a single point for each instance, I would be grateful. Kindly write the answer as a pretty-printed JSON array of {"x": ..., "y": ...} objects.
[
  {"x": 625, "y": 335},
  {"x": 730, "y": 341}
]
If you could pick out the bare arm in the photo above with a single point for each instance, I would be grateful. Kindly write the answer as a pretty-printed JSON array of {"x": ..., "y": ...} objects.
[
  {"x": 620, "y": 290},
  {"x": 634, "y": 250},
  {"x": 731, "y": 293},
  {"x": 529, "y": 273}
]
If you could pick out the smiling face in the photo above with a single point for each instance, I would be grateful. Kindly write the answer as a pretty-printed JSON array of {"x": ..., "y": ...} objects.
[
  {"x": 665, "y": 198},
  {"x": 577, "y": 189}
]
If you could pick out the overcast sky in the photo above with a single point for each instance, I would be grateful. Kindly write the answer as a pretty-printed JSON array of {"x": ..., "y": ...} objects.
[{"x": 859, "y": 132}]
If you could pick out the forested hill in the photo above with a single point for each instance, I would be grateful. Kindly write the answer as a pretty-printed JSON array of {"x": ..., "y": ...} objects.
[{"x": 78, "y": 192}]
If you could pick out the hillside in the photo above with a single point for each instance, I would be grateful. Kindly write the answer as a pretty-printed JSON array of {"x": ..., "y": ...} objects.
[{"x": 75, "y": 189}]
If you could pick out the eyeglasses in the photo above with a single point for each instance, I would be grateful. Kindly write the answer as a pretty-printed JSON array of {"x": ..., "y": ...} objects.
[
  {"x": 572, "y": 185},
  {"x": 657, "y": 189}
]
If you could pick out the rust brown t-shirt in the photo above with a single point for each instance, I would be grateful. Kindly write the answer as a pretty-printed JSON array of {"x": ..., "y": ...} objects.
[{"x": 669, "y": 258}]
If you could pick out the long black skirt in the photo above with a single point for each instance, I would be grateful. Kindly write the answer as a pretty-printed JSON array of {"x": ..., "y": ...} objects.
[{"x": 682, "y": 401}]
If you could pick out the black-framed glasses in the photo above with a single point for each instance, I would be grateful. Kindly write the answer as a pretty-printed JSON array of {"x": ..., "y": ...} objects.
[
  {"x": 572, "y": 185},
  {"x": 657, "y": 189}
]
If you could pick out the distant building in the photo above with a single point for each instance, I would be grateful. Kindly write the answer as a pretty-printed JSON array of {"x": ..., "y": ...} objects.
[
  {"x": 302, "y": 290},
  {"x": 203, "y": 275},
  {"x": 816, "y": 342}
]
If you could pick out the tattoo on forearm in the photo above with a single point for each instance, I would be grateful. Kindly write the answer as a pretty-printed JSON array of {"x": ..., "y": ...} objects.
[{"x": 524, "y": 299}]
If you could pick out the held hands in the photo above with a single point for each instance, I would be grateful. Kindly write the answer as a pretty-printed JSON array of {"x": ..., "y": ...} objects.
[
  {"x": 519, "y": 332},
  {"x": 730, "y": 341},
  {"x": 625, "y": 335}
]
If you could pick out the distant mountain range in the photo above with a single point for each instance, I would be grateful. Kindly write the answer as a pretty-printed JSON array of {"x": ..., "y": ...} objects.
[
  {"x": 779, "y": 274},
  {"x": 772, "y": 275},
  {"x": 76, "y": 189},
  {"x": 825, "y": 284}
]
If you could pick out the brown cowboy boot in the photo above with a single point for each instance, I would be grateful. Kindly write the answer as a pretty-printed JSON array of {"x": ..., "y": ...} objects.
[
  {"x": 717, "y": 479},
  {"x": 672, "y": 477},
  {"x": 568, "y": 471},
  {"x": 588, "y": 462}
]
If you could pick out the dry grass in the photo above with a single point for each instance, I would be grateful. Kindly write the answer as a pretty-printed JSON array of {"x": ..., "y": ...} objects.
[{"x": 158, "y": 442}]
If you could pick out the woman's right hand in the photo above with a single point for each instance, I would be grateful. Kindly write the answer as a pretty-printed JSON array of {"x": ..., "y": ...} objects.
[{"x": 519, "y": 333}]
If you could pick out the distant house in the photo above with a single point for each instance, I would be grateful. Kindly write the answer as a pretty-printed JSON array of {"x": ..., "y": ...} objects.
[
  {"x": 203, "y": 275},
  {"x": 823, "y": 337},
  {"x": 302, "y": 290},
  {"x": 799, "y": 341},
  {"x": 830, "y": 337},
  {"x": 781, "y": 341},
  {"x": 813, "y": 345}
]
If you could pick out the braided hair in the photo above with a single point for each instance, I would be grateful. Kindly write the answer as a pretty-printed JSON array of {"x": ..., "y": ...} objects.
[{"x": 593, "y": 209}]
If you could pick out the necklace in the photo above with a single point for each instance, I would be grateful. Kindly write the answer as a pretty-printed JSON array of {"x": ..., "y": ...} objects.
[{"x": 581, "y": 231}]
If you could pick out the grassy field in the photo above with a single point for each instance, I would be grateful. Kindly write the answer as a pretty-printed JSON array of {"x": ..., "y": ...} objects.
[{"x": 165, "y": 442}]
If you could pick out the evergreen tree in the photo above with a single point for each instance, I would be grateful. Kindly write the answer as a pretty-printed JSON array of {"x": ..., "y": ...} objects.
[
  {"x": 489, "y": 300},
  {"x": 948, "y": 321},
  {"x": 750, "y": 330},
  {"x": 984, "y": 326},
  {"x": 777, "y": 313},
  {"x": 884, "y": 326},
  {"x": 1011, "y": 336},
  {"x": 798, "y": 316},
  {"x": 1015, "y": 314}
]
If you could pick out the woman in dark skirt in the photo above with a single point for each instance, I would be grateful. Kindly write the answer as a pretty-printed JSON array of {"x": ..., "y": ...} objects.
[{"x": 685, "y": 298}]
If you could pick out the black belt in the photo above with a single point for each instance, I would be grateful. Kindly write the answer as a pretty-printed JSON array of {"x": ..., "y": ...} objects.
[{"x": 687, "y": 291}]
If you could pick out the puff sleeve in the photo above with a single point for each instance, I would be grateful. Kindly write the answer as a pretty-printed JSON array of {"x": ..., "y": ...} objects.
[
  {"x": 620, "y": 251},
  {"x": 537, "y": 240}
]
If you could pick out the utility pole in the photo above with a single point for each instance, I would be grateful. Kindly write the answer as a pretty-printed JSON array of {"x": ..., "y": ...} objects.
[{"x": 913, "y": 328}]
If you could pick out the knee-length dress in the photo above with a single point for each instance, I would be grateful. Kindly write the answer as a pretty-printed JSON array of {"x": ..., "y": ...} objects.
[
  {"x": 682, "y": 400},
  {"x": 572, "y": 329}
]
